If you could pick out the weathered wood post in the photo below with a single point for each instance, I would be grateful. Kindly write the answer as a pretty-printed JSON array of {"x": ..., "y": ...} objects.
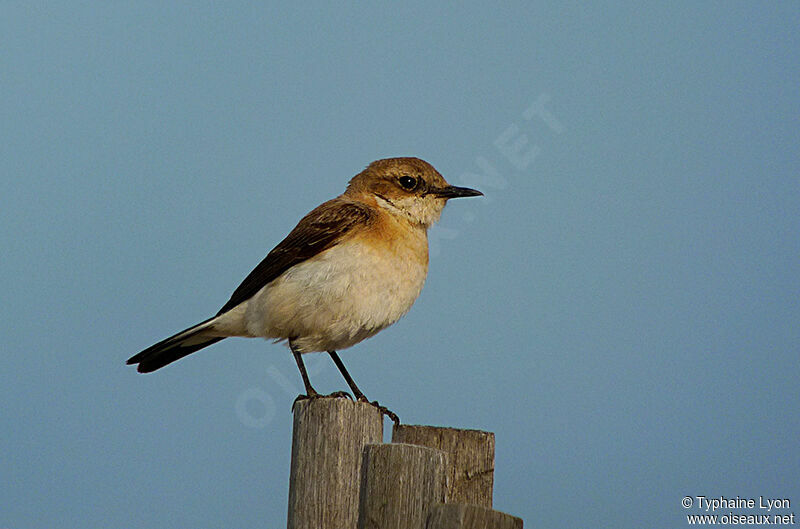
[
  {"x": 470, "y": 459},
  {"x": 327, "y": 445},
  {"x": 461, "y": 516},
  {"x": 399, "y": 485},
  {"x": 343, "y": 477}
]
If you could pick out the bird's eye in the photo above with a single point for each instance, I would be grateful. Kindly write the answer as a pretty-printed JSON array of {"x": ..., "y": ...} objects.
[{"x": 408, "y": 182}]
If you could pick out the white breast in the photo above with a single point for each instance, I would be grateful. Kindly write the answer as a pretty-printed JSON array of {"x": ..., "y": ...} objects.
[{"x": 341, "y": 296}]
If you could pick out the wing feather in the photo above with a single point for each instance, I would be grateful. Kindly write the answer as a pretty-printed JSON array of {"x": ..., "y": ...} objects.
[{"x": 321, "y": 229}]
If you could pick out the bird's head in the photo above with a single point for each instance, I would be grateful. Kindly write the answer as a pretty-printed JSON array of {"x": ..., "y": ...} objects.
[{"x": 407, "y": 187}]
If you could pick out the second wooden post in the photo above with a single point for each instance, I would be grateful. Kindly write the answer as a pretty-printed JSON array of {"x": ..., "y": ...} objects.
[{"x": 470, "y": 459}]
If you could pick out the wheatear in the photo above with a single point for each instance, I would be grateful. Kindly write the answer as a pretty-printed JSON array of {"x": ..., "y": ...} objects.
[{"x": 350, "y": 268}]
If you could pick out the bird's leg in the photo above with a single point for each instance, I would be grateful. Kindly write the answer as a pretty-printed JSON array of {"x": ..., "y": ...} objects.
[
  {"x": 310, "y": 391},
  {"x": 357, "y": 392},
  {"x": 350, "y": 382}
]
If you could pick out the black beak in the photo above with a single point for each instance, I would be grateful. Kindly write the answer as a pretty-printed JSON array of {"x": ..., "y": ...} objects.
[{"x": 457, "y": 192}]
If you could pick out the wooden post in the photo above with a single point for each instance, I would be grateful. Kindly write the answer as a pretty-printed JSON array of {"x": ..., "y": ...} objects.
[
  {"x": 461, "y": 516},
  {"x": 400, "y": 483},
  {"x": 470, "y": 459},
  {"x": 327, "y": 444}
]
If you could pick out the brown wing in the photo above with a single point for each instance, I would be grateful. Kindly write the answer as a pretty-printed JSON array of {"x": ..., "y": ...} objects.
[{"x": 321, "y": 229}]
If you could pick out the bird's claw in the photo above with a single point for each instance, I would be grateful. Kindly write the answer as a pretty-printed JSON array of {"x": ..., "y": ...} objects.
[
  {"x": 339, "y": 395},
  {"x": 383, "y": 409},
  {"x": 345, "y": 395},
  {"x": 315, "y": 395}
]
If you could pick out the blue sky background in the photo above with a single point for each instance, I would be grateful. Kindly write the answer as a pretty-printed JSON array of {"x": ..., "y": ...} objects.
[{"x": 621, "y": 309}]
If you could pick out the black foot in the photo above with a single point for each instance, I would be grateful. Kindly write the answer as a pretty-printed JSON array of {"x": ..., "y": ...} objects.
[
  {"x": 383, "y": 409},
  {"x": 339, "y": 395},
  {"x": 315, "y": 395},
  {"x": 345, "y": 395}
]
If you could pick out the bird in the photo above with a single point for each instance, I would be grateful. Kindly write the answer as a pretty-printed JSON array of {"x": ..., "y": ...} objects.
[{"x": 350, "y": 268}]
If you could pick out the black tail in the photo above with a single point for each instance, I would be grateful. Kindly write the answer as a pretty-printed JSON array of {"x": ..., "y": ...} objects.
[{"x": 174, "y": 348}]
